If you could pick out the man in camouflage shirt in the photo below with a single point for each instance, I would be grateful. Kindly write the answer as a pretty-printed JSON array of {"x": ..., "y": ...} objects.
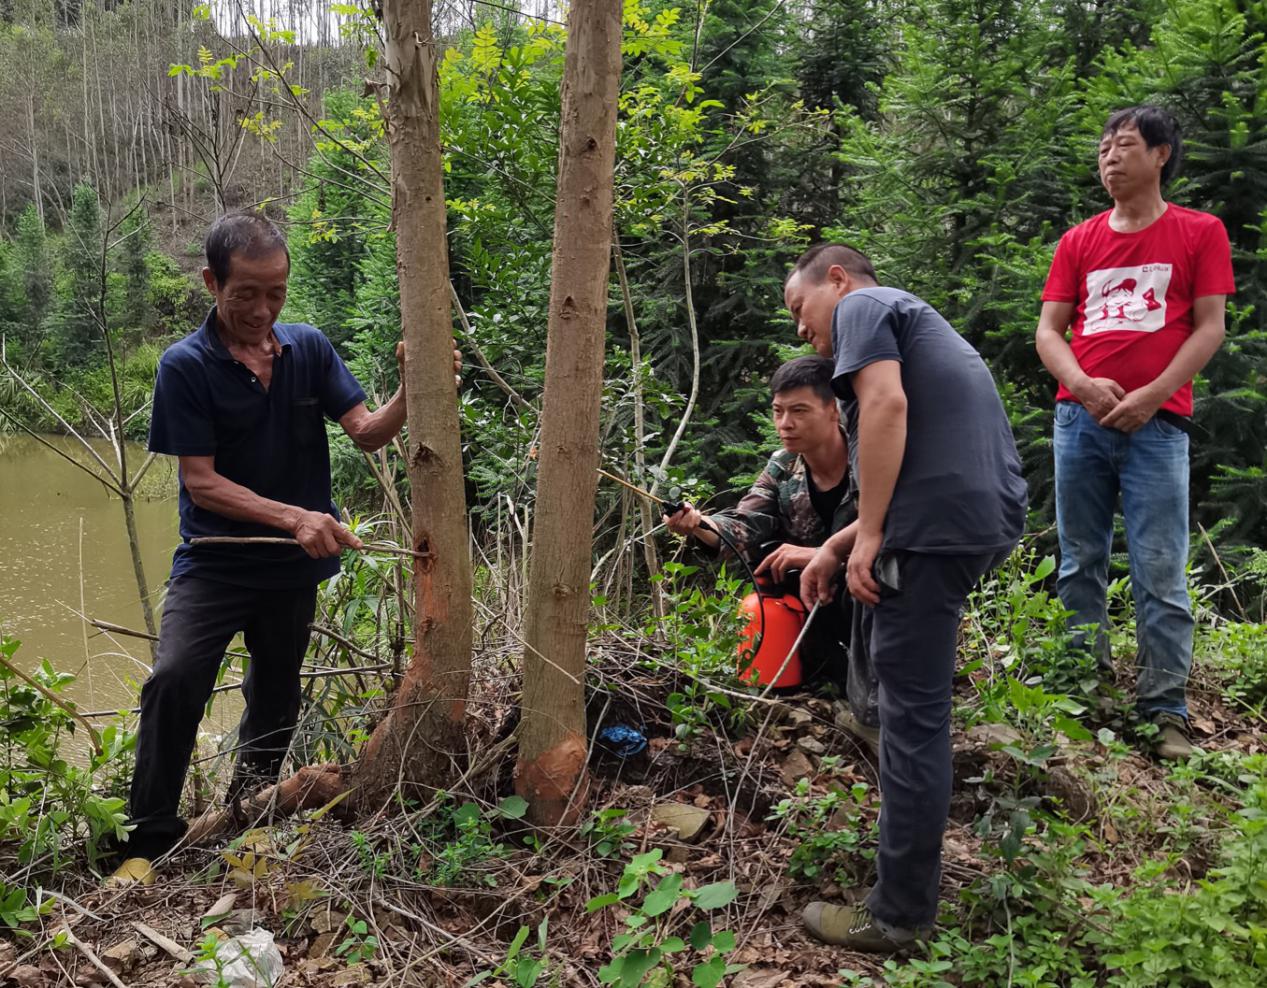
[{"x": 804, "y": 495}]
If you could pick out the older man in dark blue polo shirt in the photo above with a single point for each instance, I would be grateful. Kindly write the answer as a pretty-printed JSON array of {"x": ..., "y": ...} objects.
[{"x": 242, "y": 403}]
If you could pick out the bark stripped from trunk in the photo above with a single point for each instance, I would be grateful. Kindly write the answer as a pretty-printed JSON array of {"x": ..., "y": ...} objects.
[
  {"x": 420, "y": 741},
  {"x": 551, "y": 771}
]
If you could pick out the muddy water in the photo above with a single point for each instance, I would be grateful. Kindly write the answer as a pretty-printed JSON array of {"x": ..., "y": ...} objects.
[{"x": 64, "y": 551}]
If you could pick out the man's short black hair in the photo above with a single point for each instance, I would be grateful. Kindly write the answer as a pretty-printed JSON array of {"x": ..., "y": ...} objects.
[
  {"x": 249, "y": 234},
  {"x": 1156, "y": 126},
  {"x": 816, "y": 261},
  {"x": 812, "y": 372}
]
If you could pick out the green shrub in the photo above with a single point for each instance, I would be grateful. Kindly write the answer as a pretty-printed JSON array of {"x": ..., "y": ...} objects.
[{"x": 50, "y": 804}]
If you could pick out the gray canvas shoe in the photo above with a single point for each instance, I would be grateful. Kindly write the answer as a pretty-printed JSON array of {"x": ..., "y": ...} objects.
[
  {"x": 1171, "y": 743},
  {"x": 844, "y": 718},
  {"x": 854, "y": 927}
]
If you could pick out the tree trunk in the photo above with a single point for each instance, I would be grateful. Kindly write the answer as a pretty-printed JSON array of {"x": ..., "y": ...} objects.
[
  {"x": 138, "y": 564},
  {"x": 551, "y": 772},
  {"x": 420, "y": 741}
]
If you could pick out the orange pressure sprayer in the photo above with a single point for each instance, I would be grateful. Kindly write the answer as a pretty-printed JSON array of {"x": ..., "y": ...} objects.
[{"x": 775, "y": 622}]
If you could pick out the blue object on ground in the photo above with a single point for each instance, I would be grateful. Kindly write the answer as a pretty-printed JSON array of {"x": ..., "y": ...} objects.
[{"x": 622, "y": 740}]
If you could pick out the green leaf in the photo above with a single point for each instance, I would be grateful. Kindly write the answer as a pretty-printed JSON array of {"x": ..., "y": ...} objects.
[
  {"x": 661, "y": 900},
  {"x": 716, "y": 895},
  {"x": 601, "y": 902},
  {"x": 724, "y": 941},
  {"x": 513, "y": 807},
  {"x": 466, "y": 813},
  {"x": 701, "y": 935},
  {"x": 1071, "y": 728},
  {"x": 517, "y": 943},
  {"x": 710, "y": 973},
  {"x": 528, "y": 972}
]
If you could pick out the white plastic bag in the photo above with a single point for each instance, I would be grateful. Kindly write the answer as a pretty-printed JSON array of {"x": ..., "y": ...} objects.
[{"x": 251, "y": 960}]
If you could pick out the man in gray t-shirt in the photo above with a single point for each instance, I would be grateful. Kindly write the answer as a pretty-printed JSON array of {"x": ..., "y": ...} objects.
[
  {"x": 941, "y": 502},
  {"x": 960, "y": 489}
]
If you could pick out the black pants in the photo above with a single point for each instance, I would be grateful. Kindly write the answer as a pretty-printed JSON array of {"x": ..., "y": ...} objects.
[
  {"x": 200, "y": 618},
  {"x": 914, "y": 635}
]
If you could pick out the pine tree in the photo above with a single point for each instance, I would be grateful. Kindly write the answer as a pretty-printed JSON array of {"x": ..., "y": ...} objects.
[
  {"x": 34, "y": 272},
  {"x": 136, "y": 241},
  {"x": 331, "y": 222},
  {"x": 76, "y": 329}
]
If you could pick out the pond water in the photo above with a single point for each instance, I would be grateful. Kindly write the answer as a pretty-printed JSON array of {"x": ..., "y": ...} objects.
[{"x": 64, "y": 551}]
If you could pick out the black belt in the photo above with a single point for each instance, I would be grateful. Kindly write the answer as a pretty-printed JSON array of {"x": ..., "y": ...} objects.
[{"x": 1180, "y": 422}]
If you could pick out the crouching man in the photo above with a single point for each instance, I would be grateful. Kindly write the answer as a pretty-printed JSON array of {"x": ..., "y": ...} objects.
[{"x": 804, "y": 495}]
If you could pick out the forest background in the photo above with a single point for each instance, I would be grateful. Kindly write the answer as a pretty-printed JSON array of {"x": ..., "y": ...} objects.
[{"x": 951, "y": 141}]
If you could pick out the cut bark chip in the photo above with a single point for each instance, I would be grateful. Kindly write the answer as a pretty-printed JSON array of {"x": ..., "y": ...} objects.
[
  {"x": 686, "y": 822},
  {"x": 223, "y": 906}
]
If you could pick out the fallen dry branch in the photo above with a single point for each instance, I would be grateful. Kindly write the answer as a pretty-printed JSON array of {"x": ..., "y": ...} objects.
[
  {"x": 166, "y": 943},
  {"x": 93, "y": 959}
]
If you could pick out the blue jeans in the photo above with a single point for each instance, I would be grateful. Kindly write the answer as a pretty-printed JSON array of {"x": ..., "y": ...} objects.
[{"x": 1149, "y": 468}]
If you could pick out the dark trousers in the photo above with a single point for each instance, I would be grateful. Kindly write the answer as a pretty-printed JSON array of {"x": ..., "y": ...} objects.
[
  {"x": 914, "y": 635},
  {"x": 200, "y": 618},
  {"x": 837, "y": 650}
]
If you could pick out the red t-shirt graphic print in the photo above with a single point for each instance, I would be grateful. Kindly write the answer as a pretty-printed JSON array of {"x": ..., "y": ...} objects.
[{"x": 1134, "y": 293}]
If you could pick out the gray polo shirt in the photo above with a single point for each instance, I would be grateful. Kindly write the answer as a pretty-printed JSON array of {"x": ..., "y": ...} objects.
[{"x": 960, "y": 490}]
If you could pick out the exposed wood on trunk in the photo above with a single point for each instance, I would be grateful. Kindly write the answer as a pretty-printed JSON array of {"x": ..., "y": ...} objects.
[
  {"x": 312, "y": 787},
  {"x": 420, "y": 742},
  {"x": 551, "y": 771}
]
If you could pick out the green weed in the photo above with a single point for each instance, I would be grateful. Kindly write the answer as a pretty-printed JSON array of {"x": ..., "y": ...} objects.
[
  {"x": 834, "y": 832},
  {"x": 645, "y": 953}
]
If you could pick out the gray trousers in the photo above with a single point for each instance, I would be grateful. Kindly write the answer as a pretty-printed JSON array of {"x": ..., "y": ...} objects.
[
  {"x": 914, "y": 634},
  {"x": 200, "y": 618}
]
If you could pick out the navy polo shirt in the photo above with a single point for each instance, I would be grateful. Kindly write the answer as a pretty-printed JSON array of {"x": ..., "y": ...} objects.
[{"x": 272, "y": 441}]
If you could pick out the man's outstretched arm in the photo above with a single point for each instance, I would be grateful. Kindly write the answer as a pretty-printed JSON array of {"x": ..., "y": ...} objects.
[{"x": 317, "y": 532}]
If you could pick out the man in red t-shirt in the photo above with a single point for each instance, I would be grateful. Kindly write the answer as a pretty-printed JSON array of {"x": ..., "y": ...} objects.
[{"x": 1143, "y": 288}]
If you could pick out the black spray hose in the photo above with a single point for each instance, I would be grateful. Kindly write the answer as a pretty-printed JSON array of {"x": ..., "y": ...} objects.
[{"x": 673, "y": 508}]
